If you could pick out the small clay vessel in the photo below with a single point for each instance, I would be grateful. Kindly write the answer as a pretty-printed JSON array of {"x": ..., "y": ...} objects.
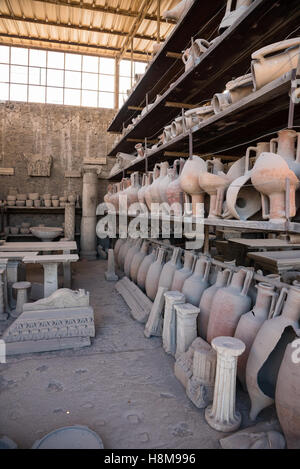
[
  {"x": 228, "y": 305},
  {"x": 169, "y": 269},
  {"x": 153, "y": 274},
  {"x": 195, "y": 285},
  {"x": 181, "y": 275}
]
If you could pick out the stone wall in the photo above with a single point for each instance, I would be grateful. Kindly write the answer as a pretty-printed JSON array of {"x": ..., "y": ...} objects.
[{"x": 69, "y": 134}]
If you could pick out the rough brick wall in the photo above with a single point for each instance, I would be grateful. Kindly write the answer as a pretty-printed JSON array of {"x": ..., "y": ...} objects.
[{"x": 68, "y": 133}]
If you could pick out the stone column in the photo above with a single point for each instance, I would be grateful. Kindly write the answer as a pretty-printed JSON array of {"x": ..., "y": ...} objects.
[
  {"x": 200, "y": 387},
  {"x": 3, "y": 278},
  {"x": 3, "y": 315},
  {"x": 12, "y": 277},
  {"x": 110, "y": 274},
  {"x": 222, "y": 415},
  {"x": 50, "y": 278},
  {"x": 88, "y": 238},
  {"x": 22, "y": 297},
  {"x": 172, "y": 298},
  {"x": 70, "y": 221},
  {"x": 186, "y": 327}
]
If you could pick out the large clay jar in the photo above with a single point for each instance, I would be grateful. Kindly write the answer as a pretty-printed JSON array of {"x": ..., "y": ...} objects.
[
  {"x": 137, "y": 260},
  {"x": 164, "y": 183},
  {"x": 285, "y": 146},
  {"x": 194, "y": 116},
  {"x": 132, "y": 194},
  {"x": 250, "y": 323},
  {"x": 268, "y": 350},
  {"x": 222, "y": 280},
  {"x": 233, "y": 11},
  {"x": 269, "y": 177},
  {"x": 228, "y": 306},
  {"x": 273, "y": 61},
  {"x": 189, "y": 180},
  {"x": 141, "y": 192},
  {"x": 181, "y": 275},
  {"x": 144, "y": 267},
  {"x": 117, "y": 247},
  {"x": 178, "y": 11},
  {"x": 169, "y": 269},
  {"x": 287, "y": 396},
  {"x": 123, "y": 251},
  {"x": 195, "y": 285},
  {"x": 130, "y": 255},
  {"x": 156, "y": 186},
  {"x": 151, "y": 191},
  {"x": 153, "y": 274},
  {"x": 147, "y": 192},
  {"x": 174, "y": 192},
  {"x": 123, "y": 195},
  {"x": 214, "y": 182}
]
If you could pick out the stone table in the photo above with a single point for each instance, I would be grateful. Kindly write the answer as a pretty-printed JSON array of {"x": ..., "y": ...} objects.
[{"x": 50, "y": 265}]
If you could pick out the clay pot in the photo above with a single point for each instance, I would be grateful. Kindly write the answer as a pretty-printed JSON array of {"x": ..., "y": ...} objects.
[
  {"x": 191, "y": 55},
  {"x": 137, "y": 260},
  {"x": 240, "y": 87},
  {"x": 145, "y": 192},
  {"x": 167, "y": 135},
  {"x": 156, "y": 185},
  {"x": 228, "y": 306},
  {"x": 123, "y": 251},
  {"x": 273, "y": 61},
  {"x": 55, "y": 203},
  {"x": 153, "y": 274},
  {"x": 141, "y": 191},
  {"x": 195, "y": 285},
  {"x": 132, "y": 193},
  {"x": 22, "y": 197},
  {"x": 250, "y": 323},
  {"x": 169, "y": 269},
  {"x": 214, "y": 182},
  {"x": 195, "y": 116},
  {"x": 178, "y": 11},
  {"x": 140, "y": 150},
  {"x": 287, "y": 145},
  {"x": 48, "y": 203},
  {"x": 144, "y": 267},
  {"x": 221, "y": 101},
  {"x": 287, "y": 396},
  {"x": 174, "y": 193},
  {"x": 108, "y": 195},
  {"x": 130, "y": 255},
  {"x": 164, "y": 184},
  {"x": 268, "y": 350},
  {"x": 33, "y": 196},
  {"x": 177, "y": 127},
  {"x": 119, "y": 243},
  {"x": 233, "y": 11},
  {"x": 37, "y": 203},
  {"x": 181, "y": 275},
  {"x": 222, "y": 280},
  {"x": 123, "y": 189},
  {"x": 29, "y": 203},
  {"x": 269, "y": 178},
  {"x": 189, "y": 180}
]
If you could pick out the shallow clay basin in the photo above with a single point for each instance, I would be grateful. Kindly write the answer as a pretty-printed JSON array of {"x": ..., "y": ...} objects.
[{"x": 46, "y": 233}]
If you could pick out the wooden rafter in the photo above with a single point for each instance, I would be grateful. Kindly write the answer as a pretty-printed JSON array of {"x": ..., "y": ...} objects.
[{"x": 135, "y": 26}]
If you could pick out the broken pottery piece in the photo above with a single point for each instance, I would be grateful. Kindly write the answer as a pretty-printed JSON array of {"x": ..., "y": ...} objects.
[
  {"x": 264, "y": 435},
  {"x": 154, "y": 324},
  {"x": 169, "y": 334},
  {"x": 62, "y": 298}
]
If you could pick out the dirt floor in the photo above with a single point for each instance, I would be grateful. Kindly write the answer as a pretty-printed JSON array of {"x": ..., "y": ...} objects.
[{"x": 123, "y": 386}]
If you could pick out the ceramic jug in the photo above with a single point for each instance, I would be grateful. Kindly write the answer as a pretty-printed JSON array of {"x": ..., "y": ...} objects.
[
  {"x": 287, "y": 395},
  {"x": 178, "y": 11},
  {"x": 169, "y": 269},
  {"x": 181, "y": 275},
  {"x": 222, "y": 280},
  {"x": 233, "y": 11},
  {"x": 228, "y": 306},
  {"x": 130, "y": 255},
  {"x": 174, "y": 192},
  {"x": 269, "y": 177},
  {"x": 144, "y": 267},
  {"x": 273, "y": 61},
  {"x": 250, "y": 323},
  {"x": 137, "y": 260},
  {"x": 191, "y": 55},
  {"x": 195, "y": 285},
  {"x": 189, "y": 180},
  {"x": 153, "y": 274},
  {"x": 268, "y": 350},
  {"x": 287, "y": 145}
]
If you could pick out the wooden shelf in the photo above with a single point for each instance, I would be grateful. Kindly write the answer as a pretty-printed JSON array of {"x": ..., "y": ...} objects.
[
  {"x": 264, "y": 111},
  {"x": 263, "y": 23},
  {"x": 200, "y": 21},
  {"x": 37, "y": 210}
]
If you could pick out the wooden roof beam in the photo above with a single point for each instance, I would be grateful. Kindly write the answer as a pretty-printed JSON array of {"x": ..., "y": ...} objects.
[
  {"x": 92, "y": 29},
  {"x": 135, "y": 26},
  {"x": 103, "y": 9}
]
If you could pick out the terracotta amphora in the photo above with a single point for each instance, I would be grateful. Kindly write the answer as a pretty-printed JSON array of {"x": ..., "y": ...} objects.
[
  {"x": 242, "y": 199},
  {"x": 228, "y": 306},
  {"x": 144, "y": 267},
  {"x": 195, "y": 285},
  {"x": 109, "y": 193},
  {"x": 240, "y": 87},
  {"x": 177, "y": 127},
  {"x": 233, "y": 11},
  {"x": 132, "y": 194},
  {"x": 153, "y": 275},
  {"x": 181, "y": 275},
  {"x": 214, "y": 182},
  {"x": 194, "y": 116},
  {"x": 269, "y": 176},
  {"x": 151, "y": 192},
  {"x": 169, "y": 269},
  {"x": 147, "y": 192},
  {"x": 178, "y": 11},
  {"x": 158, "y": 183},
  {"x": 130, "y": 255},
  {"x": 287, "y": 395},
  {"x": 189, "y": 180},
  {"x": 137, "y": 260},
  {"x": 167, "y": 134},
  {"x": 123, "y": 194},
  {"x": 287, "y": 145},
  {"x": 174, "y": 192},
  {"x": 190, "y": 56},
  {"x": 164, "y": 183},
  {"x": 268, "y": 349},
  {"x": 123, "y": 251},
  {"x": 117, "y": 247},
  {"x": 141, "y": 192},
  {"x": 273, "y": 61},
  {"x": 250, "y": 323}
]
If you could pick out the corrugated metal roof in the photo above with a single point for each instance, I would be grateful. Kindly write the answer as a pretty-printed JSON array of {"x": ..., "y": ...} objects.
[{"x": 98, "y": 27}]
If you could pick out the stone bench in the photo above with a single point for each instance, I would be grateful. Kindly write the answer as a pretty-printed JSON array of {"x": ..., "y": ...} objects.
[{"x": 50, "y": 265}]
